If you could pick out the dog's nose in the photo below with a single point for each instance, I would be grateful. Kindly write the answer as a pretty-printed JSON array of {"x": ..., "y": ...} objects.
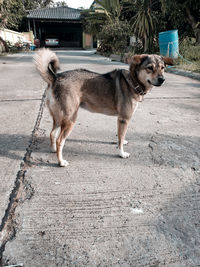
[{"x": 161, "y": 80}]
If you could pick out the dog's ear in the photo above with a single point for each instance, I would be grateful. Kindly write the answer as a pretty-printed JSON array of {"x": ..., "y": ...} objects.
[
  {"x": 135, "y": 61},
  {"x": 168, "y": 61},
  {"x": 138, "y": 59}
]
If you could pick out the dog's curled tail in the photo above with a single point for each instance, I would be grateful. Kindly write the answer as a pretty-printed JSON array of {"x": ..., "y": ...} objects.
[{"x": 47, "y": 64}]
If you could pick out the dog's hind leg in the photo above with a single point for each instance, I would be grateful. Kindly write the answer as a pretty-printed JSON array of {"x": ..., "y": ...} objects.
[
  {"x": 122, "y": 129},
  {"x": 66, "y": 129},
  {"x": 54, "y": 135},
  {"x": 64, "y": 133}
]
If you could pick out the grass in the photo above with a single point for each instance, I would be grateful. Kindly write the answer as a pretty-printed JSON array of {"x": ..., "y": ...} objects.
[
  {"x": 189, "y": 58},
  {"x": 194, "y": 67}
]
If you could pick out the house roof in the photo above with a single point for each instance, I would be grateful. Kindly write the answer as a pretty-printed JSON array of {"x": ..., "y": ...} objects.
[{"x": 63, "y": 13}]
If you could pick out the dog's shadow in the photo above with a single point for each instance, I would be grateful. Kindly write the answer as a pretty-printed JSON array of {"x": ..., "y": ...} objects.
[
  {"x": 159, "y": 149},
  {"x": 14, "y": 146},
  {"x": 92, "y": 141},
  {"x": 84, "y": 148}
]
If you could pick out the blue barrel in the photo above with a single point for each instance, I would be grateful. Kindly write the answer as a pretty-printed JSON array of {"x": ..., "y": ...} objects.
[{"x": 168, "y": 43}]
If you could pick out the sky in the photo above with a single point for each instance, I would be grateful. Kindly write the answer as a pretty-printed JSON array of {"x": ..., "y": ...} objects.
[{"x": 78, "y": 3}]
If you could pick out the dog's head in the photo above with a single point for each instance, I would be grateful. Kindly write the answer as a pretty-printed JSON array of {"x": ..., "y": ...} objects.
[{"x": 149, "y": 69}]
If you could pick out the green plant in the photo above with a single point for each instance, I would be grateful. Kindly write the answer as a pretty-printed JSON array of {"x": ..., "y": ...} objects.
[
  {"x": 189, "y": 50},
  {"x": 114, "y": 37},
  {"x": 182, "y": 12},
  {"x": 100, "y": 13},
  {"x": 112, "y": 8},
  {"x": 144, "y": 21},
  {"x": 93, "y": 21},
  {"x": 189, "y": 58}
]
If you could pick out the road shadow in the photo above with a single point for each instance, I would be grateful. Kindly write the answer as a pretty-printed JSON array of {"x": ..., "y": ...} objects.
[
  {"x": 178, "y": 224},
  {"x": 77, "y": 58},
  {"x": 12, "y": 145},
  {"x": 146, "y": 149}
]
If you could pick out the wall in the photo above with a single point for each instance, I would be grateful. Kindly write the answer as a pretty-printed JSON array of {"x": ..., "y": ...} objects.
[
  {"x": 14, "y": 37},
  {"x": 29, "y": 36},
  {"x": 87, "y": 41}
]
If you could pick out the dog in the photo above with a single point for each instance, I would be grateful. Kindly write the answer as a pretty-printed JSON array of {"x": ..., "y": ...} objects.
[{"x": 115, "y": 93}]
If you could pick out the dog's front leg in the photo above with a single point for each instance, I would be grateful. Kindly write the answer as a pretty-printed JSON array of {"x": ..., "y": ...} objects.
[{"x": 122, "y": 129}]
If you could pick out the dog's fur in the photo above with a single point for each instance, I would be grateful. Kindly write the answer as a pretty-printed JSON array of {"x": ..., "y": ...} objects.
[{"x": 116, "y": 93}]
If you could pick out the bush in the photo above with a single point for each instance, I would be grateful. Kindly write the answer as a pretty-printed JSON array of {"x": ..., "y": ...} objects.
[
  {"x": 114, "y": 37},
  {"x": 189, "y": 50},
  {"x": 15, "y": 47},
  {"x": 189, "y": 58}
]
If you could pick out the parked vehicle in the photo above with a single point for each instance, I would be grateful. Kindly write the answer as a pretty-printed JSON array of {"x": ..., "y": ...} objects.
[{"x": 52, "y": 41}]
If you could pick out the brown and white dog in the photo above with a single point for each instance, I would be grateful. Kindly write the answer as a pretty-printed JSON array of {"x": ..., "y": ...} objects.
[{"x": 116, "y": 93}]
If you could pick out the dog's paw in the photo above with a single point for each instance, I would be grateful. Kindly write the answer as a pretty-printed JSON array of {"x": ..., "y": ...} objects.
[
  {"x": 125, "y": 142},
  {"x": 53, "y": 149},
  {"x": 63, "y": 163},
  {"x": 124, "y": 155}
]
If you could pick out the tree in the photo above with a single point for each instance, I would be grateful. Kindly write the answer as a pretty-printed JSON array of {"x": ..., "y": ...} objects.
[
  {"x": 114, "y": 37},
  {"x": 189, "y": 10},
  {"x": 144, "y": 20},
  {"x": 15, "y": 14},
  {"x": 34, "y": 4},
  {"x": 60, "y": 3},
  {"x": 12, "y": 13},
  {"x": 112, "y": 8},
  {"x": 93, "y": 21},
  {"x": 100, "y": 13}
]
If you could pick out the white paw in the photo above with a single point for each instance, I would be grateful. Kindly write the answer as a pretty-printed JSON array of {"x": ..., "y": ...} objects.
[
  {"x": 124, "y": 155},
  {"x": 63, "y": 163},
  {"x": 53, "y": 149},
  {"x": 125, "y": 142}
]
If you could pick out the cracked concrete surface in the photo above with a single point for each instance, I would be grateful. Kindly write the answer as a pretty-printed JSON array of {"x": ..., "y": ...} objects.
[{"x": 87, "y": 214}]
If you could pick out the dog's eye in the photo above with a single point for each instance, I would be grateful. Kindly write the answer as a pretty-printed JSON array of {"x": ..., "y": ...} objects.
[
  {"x": 150, "y": 68},
  {"x": 162, "y": 68}
]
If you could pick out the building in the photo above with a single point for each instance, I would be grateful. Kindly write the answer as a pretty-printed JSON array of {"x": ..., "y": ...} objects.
[{"x": 61, "y": 22}]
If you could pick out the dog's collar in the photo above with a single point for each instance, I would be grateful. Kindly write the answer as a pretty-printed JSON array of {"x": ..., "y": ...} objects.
[{"x": 138, "y": 89}]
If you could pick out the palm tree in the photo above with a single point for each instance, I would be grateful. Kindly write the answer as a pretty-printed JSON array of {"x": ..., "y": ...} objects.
[
  {"x": 112, "y": 8},
  {"x": 93, "y": 21},
  {"x": 144, "y": 21},
  {"x": 100, "y": 13}
]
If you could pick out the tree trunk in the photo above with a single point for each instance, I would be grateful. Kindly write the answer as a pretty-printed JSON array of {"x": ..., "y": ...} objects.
[
  {"x": 198, "y": 36},
  {"x": 193, "y": 23},
  {"x": 4, "y": 44}
]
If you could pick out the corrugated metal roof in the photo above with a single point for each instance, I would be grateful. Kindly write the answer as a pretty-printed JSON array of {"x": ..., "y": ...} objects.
[{"x": 65, "y": 13}]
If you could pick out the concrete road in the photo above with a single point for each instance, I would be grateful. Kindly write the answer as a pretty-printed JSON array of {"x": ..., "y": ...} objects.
[{"x": 101, "y": 210}]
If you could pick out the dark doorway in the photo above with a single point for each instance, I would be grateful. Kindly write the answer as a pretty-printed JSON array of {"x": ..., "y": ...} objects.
[{"x": 69, "y": 34}]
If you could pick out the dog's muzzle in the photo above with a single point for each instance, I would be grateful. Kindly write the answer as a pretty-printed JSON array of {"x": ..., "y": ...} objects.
[{"x": 160, "y": 80}]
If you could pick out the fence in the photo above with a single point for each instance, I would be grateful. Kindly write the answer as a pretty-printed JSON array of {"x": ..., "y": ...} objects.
[{"x": 15, "y": 37}]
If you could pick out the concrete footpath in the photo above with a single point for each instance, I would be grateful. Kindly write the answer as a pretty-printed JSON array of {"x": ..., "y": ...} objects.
[{"x": 101, "y": 210}]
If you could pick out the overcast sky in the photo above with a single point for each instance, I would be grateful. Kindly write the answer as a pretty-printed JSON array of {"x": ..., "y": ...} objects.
[{"x": 77, "y": 3}]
